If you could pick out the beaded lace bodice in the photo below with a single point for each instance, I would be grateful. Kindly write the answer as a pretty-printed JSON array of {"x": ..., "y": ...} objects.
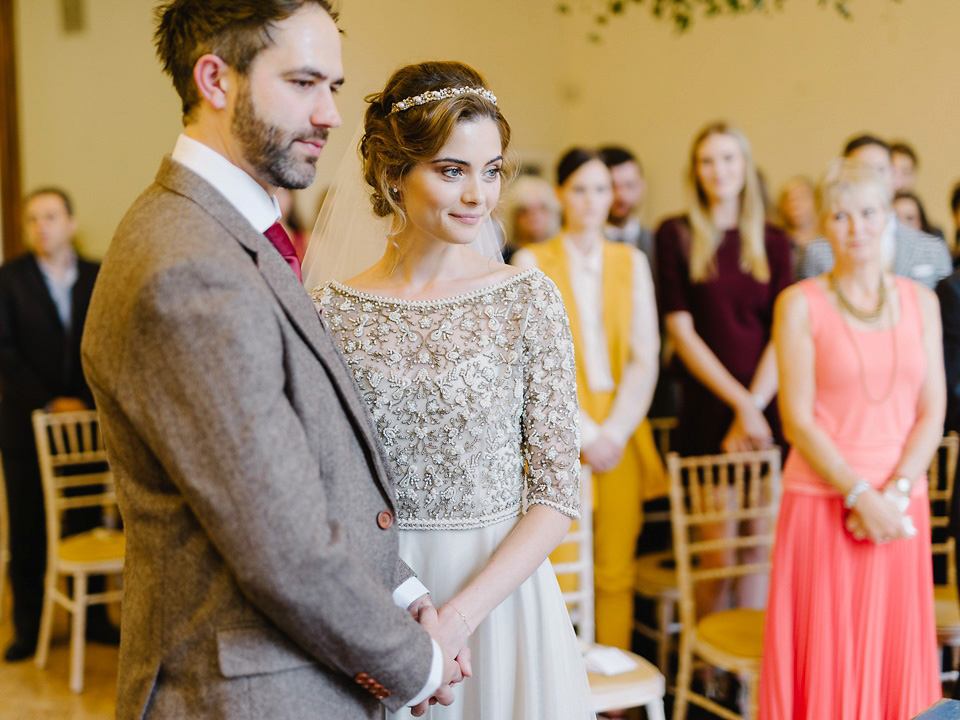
[{"x": 474, "y": 397}]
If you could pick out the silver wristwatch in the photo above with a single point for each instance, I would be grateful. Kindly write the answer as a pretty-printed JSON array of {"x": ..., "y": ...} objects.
[{"x": 903, "y": 485}]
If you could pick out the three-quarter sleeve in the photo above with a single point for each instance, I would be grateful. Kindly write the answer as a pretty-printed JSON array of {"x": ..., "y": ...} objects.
[{"x": 550, "y": 423}]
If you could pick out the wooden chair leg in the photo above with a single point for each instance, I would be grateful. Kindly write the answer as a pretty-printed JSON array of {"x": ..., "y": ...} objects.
[
  {"x": 79, "y": 631},
  {"x": 751, "y": 711},
  {"x": 665, "y": 610},
  {"x": 684, "y": 676},
  {"x": 46, "y": 620}
]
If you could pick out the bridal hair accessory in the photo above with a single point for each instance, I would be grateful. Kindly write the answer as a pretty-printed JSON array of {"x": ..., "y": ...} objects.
[{"x": 433, "y": 95}]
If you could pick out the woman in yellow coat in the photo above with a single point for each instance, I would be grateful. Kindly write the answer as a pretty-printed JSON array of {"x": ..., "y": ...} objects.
[{"x": 608, "y": 293}]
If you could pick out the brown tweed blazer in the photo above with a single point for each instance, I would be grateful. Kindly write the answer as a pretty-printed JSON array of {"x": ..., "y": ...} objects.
[{"x": 258, "y": 580}]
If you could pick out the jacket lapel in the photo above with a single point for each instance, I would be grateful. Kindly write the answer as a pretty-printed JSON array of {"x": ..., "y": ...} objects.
[{"x": 291, "y": 296}]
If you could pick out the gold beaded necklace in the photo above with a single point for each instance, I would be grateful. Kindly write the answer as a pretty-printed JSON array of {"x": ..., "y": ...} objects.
[
  {"x": 861, "y": 315},
  {"x": 845, "y": 304}
]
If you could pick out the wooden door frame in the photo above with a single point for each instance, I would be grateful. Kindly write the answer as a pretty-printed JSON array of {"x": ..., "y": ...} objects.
[{"x": 10, "y": 179}]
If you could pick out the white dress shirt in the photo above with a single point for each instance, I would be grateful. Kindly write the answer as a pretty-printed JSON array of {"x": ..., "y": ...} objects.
[
  {"x": 60, "y": 287},
  {"x": 261, "y": 210},
  {"x": 639, "y": 376}
]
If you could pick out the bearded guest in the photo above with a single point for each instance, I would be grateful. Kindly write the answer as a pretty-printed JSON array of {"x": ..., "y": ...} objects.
[{"x": 624, "y": 223}]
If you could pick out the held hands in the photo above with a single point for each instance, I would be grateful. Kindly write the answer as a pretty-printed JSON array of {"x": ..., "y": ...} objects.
[
  {"x": 876, "y": 517},
  {"x": 603, "y": 454},
  {"x": 748, "y": 431},
  {"x": 450, "y": 632}
]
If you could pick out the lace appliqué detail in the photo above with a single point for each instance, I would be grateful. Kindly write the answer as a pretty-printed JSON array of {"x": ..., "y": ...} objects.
[{"x": 474, "y": 397}]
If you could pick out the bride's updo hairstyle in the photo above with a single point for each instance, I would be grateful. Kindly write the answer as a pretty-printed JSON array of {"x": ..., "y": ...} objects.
[{"x": 393, "y": 142}]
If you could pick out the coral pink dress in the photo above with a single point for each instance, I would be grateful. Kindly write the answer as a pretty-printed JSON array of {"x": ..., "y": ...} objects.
[{"x": 850, "y": 631}]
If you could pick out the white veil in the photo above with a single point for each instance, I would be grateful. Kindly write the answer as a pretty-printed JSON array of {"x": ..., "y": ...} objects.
[{"x": 348, "y": 237}]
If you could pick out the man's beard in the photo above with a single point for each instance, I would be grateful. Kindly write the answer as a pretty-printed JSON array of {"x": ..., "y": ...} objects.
[{"x": 269, "y": 149}]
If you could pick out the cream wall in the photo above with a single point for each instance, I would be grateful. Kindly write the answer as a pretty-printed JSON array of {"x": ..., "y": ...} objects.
[
  {"x": 97, "y": 114},
  {"x": 799, "y": 82}
]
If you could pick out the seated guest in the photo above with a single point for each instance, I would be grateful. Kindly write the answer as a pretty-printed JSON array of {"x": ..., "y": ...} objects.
[
  {"x": 531, "y": 214},
  {"x": 903, "y": 251},
  {"x": 44, "y": 296},
  {"x": 608, "y": 294},
  {"x": 850, "y": 631},
  {"x": 910, "y": 212},
  {"x": 629, "y": 190},
  {"x": 905, "y": 163},
  {"x": 797, "y": 208},
  {"x": 721, "y": 267}
]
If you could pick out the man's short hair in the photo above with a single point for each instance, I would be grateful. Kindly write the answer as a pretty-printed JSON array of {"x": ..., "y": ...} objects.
[
  {"x": 51, "y": 190},
  {"x": 613, "y": 155},
  {"x": 955, "y": 198},
  {"x": 899, "y": 147},
  {"x": 234, "y": 30},
  {"x": 855, "y": 143}
]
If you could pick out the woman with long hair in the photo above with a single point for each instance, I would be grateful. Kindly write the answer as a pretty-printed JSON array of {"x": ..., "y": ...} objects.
[
  {"x": 466, "y": 366},
  {"x": 721, "y": 267}
]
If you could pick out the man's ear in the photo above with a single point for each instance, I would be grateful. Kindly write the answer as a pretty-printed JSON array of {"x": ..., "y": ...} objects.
[{"x": 212, "y": 78}]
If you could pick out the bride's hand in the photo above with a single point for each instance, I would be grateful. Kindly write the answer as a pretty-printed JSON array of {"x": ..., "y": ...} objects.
[{"x": 453, "y": 631}]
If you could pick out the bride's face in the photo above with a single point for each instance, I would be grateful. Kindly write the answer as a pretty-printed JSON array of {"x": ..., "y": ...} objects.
[{"x": 449, "y": 197}]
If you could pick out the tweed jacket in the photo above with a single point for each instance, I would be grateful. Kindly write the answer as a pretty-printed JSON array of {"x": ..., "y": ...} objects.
[
  {"x": 916, "y": 255},
  {"x": 261, "y": 553}
]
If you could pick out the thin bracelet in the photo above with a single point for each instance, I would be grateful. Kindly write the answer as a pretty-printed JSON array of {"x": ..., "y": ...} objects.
[{"x": 462, "y": 617}]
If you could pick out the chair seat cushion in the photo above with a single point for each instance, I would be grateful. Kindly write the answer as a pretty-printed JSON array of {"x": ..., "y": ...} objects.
[
  {"x": 656, "y": 573},
  {"x": 736, "y": 632},
  {"x": 96, "y": 545}
]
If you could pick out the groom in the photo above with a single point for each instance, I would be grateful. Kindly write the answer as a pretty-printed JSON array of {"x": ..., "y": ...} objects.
[{"x": 262, "y": 577}]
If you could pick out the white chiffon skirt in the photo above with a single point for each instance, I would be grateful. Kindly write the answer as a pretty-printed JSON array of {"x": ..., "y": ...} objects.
[{"x": 526, "y": 661}]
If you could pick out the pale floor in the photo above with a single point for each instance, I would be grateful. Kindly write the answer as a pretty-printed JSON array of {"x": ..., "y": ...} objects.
[{"x": 27, "y": 693}]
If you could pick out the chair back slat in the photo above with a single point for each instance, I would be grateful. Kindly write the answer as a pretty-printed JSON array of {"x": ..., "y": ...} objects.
[
  {"x": 73, "y": 466},
  {"x": 741, "y": 490},
  {"x": 580, "y": 600}
]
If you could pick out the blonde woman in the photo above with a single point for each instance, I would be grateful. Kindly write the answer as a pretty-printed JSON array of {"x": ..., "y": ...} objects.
[
  {"x": 721, "y": 266},
  {"x": 850, "y": 631}
]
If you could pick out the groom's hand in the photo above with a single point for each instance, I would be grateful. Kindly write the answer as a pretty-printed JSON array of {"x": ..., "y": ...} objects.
[
  {"x": 422, "y": 601},
  {"x": 451, "y": 669}
]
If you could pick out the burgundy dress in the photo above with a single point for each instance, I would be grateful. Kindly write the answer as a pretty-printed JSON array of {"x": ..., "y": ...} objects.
[{"x": 732, "y": 312}]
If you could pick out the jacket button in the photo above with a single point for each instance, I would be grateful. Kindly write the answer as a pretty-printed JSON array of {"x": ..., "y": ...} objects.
[{"x": 385, "y": 519}]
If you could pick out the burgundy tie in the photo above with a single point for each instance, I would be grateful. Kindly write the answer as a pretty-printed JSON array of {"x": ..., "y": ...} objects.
[{"x": 281, "y": 241}]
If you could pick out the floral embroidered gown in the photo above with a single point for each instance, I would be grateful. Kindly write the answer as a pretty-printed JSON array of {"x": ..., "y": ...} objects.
[{"x": 474, "y": 398}]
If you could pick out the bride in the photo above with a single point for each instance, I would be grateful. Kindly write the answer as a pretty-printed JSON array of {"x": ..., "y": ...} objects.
[{"x": 466, "y": 365}]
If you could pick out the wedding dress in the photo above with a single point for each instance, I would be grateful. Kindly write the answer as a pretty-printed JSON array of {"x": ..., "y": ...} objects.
[{"x": 474, "y": 398}]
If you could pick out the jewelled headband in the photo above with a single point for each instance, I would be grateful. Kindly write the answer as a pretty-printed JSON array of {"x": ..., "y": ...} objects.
[{"x": 433, "y": 95}]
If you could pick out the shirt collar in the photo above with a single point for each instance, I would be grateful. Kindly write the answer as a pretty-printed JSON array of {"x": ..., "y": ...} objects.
[
  {"x": 69, "y": 276},
  {"x": 627, "y": 233},
  {"x": 240, "y": 190}
]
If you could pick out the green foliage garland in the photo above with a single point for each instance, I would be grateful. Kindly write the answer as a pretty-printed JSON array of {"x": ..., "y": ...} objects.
[{"x": 683, "y": 12}]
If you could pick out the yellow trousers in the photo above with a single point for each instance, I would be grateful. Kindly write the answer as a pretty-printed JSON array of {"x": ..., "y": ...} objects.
[{"x": 617, "y": 522}]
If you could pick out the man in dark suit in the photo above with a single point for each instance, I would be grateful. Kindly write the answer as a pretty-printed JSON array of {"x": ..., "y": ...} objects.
[
  {"x": 44, "y": 296},
  {"x": 262, "y": 575},
  {"x": 948, "y": 292}
]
